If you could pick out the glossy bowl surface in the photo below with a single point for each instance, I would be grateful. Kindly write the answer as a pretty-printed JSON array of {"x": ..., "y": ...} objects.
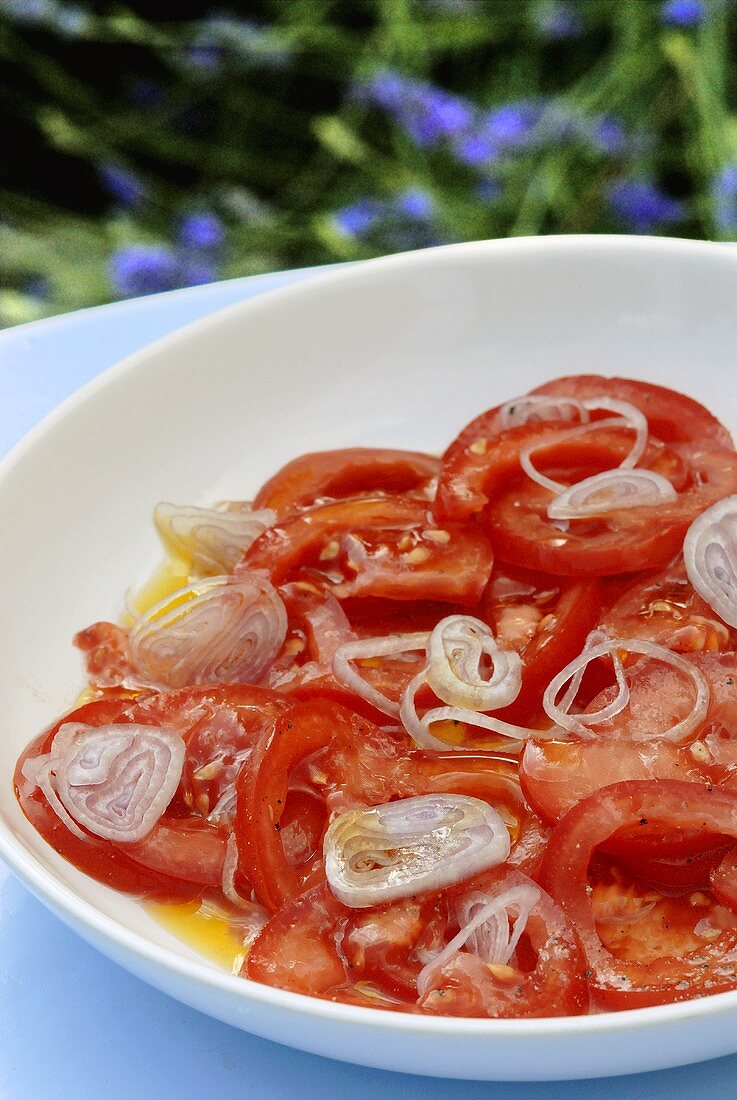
[{"x": 398, "y": 352}]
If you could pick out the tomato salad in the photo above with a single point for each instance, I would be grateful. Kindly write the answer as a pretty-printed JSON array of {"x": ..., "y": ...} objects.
[{"x": 447, "y": 736}]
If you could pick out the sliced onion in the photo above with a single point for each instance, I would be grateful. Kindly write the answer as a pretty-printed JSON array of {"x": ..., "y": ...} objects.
[
  {"x": 484, "y": 926},
  {"x": 455, "y": 652},
  {"x": 411, "y": 846},
  {"x": 419, "y": 727},
  {"x": 710, "y": 554},
  {"x": 211, "y": 540},
  {"x": 533, "y": 407},
  {"x": 116, "y": 781},
  {"x": 217, "y": 630},
  {"x": 364, "y": 649},
  {"x": 610, "y": 490},
  {"x": 629, "y": 417},
  {"x": 581, "y": 724}
]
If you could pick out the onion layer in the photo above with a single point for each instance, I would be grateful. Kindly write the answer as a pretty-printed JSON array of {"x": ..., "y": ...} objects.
[
  {"x": 455, "y": 656},
  {"x": 411, "y": 846},
  {"x": 580, "y": 724},
  {"x": 211, "y": 540},
  {"x": 364, "y": 649},
  {"x": 612, "y": 489},
  {"x": 534, "y": 407},
  {"x": 218, "y": 630},
  {"x": 116, "y": 781},
  {"x": 710, "y": 554}
]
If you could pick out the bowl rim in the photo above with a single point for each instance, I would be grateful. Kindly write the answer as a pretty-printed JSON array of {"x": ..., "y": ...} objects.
[{"x": 91, "y": 922}]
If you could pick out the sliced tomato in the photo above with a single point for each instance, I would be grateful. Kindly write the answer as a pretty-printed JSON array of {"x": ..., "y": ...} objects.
[
  {"x": 672, "y": 417},
  {"x": 378, "y": 546},
  {"x": 553, "y": 983},
  {"x": 105, "y": 648},
  {"x": 628, "y": 983},
  {"x": 623, "y": 541},
  {"x": 345, "y": 473},
  {"x": 663, "y": 607},
  {"x": 545, "y": 620}
]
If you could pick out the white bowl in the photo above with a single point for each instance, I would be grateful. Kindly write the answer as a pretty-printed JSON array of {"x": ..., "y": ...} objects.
[{"x": 398, "y": 352}]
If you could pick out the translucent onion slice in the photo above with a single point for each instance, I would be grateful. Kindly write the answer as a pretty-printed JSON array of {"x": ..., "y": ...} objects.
[
  {"x": 419, "y": 728},
  {"x": 610, "y": 490},
  {"x": 580, "y": 724},
  {"x": 116, "y": 781},
  {"x": 533, "y": 407},
  {"x": 628, "y": 417},
  {"x": 217, "y": 630},
  {"x": 455, "y": 665},
  {"x": 365, "y": 649},
  {"x": 211, "y": 540},
  {"x": 710, "y": 554},
  {"x": 411, "y": 846},
  {"x": 484, "y": 928}
]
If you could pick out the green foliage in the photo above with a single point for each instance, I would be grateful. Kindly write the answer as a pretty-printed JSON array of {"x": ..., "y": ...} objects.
[{"x": 145, "y": 154}]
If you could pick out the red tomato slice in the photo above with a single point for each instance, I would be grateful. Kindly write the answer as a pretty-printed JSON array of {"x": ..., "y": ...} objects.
[
  {"x": 554, "y": 984},
  {"x": 546, "y": 621},
  {"x": 664, "y": 608},
  {"x": 671, "y": 416},
  {"x": 381, "y": 546},
  {"x": 105, "y": 648},
  {"x": 621, "y": 542},
  {"x": 345, "y": 473},
  {"x": 624, "y": 983}
]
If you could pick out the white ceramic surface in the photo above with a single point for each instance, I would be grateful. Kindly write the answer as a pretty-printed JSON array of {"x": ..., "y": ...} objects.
[{"x": 398, "y": 352}]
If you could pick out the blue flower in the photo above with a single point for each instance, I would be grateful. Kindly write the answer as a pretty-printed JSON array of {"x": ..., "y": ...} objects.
[
  {"x": 197, "y": 272},
  {"x": 28, "y": 11},
  {"x": 426, "y": 112},
  {"x": 143, "y": 269},
  {"x": 558, "y": 21},
  {"x": 683, "y": 13},
  {"x": 356, "y": 219},
  {"x": 71, "y": 20},
  {"x": 513, "y": 124},
  {"x": 38, "y": 287},
  {"x": 642, "y": 206},
  {"x": 488, "y": 190},
  {"x": 416, "y": 204},
  {"x": 122, "y": 184},
  {"x": 474, "y": 149},
  {"x": 724, "y": 195},
  {"x": 610, "y": 135},
  {"x": 201, "y": 229}
]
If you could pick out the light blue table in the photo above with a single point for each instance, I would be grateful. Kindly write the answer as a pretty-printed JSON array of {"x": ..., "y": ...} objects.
[{"x": 73, "y": 1024}]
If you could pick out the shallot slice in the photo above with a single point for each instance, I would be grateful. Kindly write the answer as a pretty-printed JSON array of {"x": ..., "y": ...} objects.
[
  {"x": 455, "y": 663},
  {"x": 534, "y": 407},
  {"x": 411, "y": 846},
  {"x": 217, "y": 630},
  {"x": 628, "y": 417},
  {"x": 419, "y": 728},
  {"x": 580, "y": 724},
  {"x": 115, "y": 781},
  {"x": 710, "y": 554},
  {"x": 484, "y": 925},
  {"x": 364, "y": 649},
  {"x": 211, "y": 540},
  {"x": 612, "y": 489}
]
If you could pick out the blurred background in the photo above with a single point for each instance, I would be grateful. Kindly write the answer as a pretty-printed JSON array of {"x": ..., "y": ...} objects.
[{"x": 143, "y": 153}]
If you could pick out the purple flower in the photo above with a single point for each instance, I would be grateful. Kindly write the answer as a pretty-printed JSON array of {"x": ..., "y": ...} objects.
[
  {"x": 427, "y": 113},
  {"x": 28, "y": 11},
  {"x": 558, "y": 21},
  {"x": 416, "y": 204},
  {"x": 475, "y": 149},
  {"x": 139, "y": 269},
  {"x": 122, "y": 184},
  {"x": 683, "y": 13},
  {"x": 642, "y": 206},
  {"x": 38, "y": 287},
  {"x": 610, "y": 135},
  {"x": 513, "y": 124},
  {"x": 724, "y": 195},
  {"x": 201, "y": 229},
  {"x": 488, "y": 190},
  {"x": 356, "y": 219}
]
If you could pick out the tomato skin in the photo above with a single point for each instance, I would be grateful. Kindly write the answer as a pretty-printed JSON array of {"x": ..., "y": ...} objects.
[
  {"x": 345, "y": 473},
  {"x": 624, "y": 541},
  {"x": 105, "y": 649},
  {"x": 555, "y": 986},
  {"x": 616, "y": 983},
  {"x": 672, "y": 417},
  {"x": 388, "y": 533}
]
